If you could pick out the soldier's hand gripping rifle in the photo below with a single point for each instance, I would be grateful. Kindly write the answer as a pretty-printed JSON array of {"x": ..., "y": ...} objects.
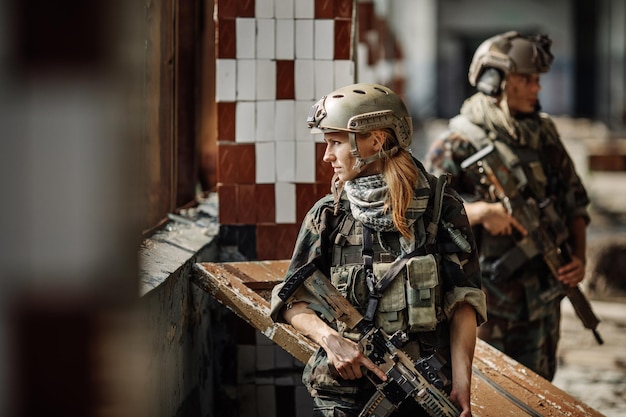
[
  {"x": 420, "y": 380},
  {"x": 504, "y": 185}
]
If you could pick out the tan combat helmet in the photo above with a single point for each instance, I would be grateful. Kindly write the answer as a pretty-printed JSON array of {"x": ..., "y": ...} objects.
[
  {"x": 505, "y": 53},
  {"x": 362, "y": 108}
]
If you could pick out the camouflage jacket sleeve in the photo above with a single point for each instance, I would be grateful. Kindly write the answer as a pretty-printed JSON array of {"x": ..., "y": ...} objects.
[
  {"x": 312, "y": 245},
  {"x": 572, "y": 198},
  {"x": 461, "y": 270},
  {"x": 445, "y": 156}
]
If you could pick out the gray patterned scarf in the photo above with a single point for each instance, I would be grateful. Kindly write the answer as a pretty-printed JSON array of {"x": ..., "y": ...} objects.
[
  {"x": 367, "y": 196},
  {"x": 484, "y": 111}
]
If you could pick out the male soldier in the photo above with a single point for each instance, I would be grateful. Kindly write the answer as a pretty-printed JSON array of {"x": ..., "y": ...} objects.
[{"x": 524, "y": 312}]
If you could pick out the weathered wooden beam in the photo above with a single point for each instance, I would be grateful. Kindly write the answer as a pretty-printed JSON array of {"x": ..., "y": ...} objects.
[{"x": 228, "y": 284}]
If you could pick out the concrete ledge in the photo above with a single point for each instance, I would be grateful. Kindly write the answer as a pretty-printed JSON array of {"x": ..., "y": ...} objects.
[{"x": 180, "y": 243}]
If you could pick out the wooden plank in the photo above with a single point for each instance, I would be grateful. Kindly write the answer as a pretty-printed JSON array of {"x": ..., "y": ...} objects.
[
  {"x": 501, "y": 387},
  {"x": 222, "y": 282}
]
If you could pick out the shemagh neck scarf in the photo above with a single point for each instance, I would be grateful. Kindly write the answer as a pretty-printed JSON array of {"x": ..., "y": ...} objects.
[
  {"x": 367, "y": 197},
  {"x": 484, "y": 111}
]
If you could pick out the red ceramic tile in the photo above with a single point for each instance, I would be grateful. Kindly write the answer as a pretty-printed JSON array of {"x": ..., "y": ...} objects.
[
  {"x": 266, "y": 203},
  {"x": 265, "y": 242},
  {"x": 245, "y": 8},
  {"x": 285, "y": 76},
  {"x": 343, "y": 41},
  {"x": 285, "y": 237},
  {"x": 373, "y": 53},
  {"x": 322, "y": 189},
  {"x": 227, "y": 195},
  {"x": 323, "y": 170},
  {"x": 398, "y": 53},
  {"x": 305, "y": 198},
  {"x": 398, "y": 84},
  {"x": 324, "y": 9},
  {"x": 275, "y": 242},
  {"x": 226, "y": 8},
  {"x": 246, "y": 205},
  {"x": 343, "y": 9},
  {"x": 245, "y": 164},
  {"x": 227, "y": 163},
  {"x": 235, "y": 163},
  {"x": 226, "y": 39},
  {"x": 365, "y": 16},
  {"x": 226, "y": 121}
]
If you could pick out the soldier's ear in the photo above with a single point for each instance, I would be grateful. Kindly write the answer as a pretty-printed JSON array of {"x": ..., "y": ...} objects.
[{"x": 379, "y": 138}]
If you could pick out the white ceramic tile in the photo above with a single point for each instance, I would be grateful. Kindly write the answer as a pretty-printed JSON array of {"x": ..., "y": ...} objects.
[
  {"x": 265, "y": 39},
  {"x": 285, "y": 38},
  {"x": 283, "y": 9},
  {"x": 265, "y": 118},
  {"x": 286, "y": 161},
  {"x": 263, "y": 8},
  {"x": 384, "y": 70},
  {"x": 226, "y": 80},
  {"x": 246, "y": 35},
  {"x": 285, "y": 194},
  {"x": 245, "y": 122},
  {"x": 264, "y": 161},
  {"x": 365, "y": 72},
  {"x": 304, "y": 39},
  {"x": 344, "y": 73},
  {"x": 285, "y": 120},
  {"x": 265, "y": 79},
  {"x": 246, "y": 79},
  {"x": 304, "y": 74},
  {"x": 324, "y": 77},
  {"x": 303, "y": 133},
  {"x": 304, "y": 9},
  {"x": 324, "y": 33},
  {"x": 305, "y": 162}
]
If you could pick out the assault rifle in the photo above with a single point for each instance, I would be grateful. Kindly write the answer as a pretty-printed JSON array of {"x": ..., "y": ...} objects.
[
  {"x": 504, "y": 185},
  {"x": 421, "y": 380}
]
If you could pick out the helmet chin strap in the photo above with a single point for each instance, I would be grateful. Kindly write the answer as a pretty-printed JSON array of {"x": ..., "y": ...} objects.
[{"x": 361, "y": 162}]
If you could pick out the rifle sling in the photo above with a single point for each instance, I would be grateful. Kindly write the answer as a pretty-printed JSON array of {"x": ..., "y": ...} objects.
[{"x": 376, "y": 289}]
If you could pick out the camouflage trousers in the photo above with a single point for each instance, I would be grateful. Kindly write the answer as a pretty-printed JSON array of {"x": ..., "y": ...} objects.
[
  {"x": 331, "y": 408},
  {"x": 337, "y": 397},
  {"x": 531, "y": 343}
]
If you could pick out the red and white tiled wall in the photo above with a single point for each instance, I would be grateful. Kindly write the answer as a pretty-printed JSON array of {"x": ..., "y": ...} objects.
[{"x": 275, "y": 58}]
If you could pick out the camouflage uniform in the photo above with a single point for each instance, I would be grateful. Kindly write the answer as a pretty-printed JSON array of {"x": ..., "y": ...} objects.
[
  {"x": 520, "y": 323},
  {"x": 325, "y": 238}
]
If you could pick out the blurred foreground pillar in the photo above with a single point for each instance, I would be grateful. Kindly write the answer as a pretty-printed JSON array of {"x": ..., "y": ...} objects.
[{"x": 69, "y": 95}]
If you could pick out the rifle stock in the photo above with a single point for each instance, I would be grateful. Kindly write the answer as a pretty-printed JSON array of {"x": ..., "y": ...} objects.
[{"x": 553, "y": 249}]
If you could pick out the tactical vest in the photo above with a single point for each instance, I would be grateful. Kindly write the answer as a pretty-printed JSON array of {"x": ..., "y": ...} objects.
[
  {"x": 412, "y": 302},
  {"x": 526, "y": 165}
]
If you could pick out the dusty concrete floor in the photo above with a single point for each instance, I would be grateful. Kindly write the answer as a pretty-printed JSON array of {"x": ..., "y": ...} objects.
[{"x": 593, "y": 373}]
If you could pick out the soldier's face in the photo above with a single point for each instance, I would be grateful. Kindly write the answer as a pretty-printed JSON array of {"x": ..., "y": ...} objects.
[
  {"x": 341, "y": 159},
  {"x": 522, "y": 92}
]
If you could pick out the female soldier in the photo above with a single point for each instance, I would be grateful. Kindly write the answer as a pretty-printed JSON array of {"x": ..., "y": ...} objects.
[{"x": 382, "y": 205}]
